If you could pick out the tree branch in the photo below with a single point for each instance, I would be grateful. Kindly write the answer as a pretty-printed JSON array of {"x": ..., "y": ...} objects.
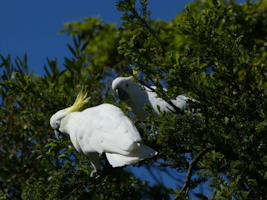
[
  {"x": 190, "y": 171},
  {"x": 147, "y": 26}
]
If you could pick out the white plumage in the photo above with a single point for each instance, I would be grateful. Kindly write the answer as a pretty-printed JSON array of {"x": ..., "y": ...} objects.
[
  {"x": 136, "y": 96},
  {"x": 102, "y": 129}
]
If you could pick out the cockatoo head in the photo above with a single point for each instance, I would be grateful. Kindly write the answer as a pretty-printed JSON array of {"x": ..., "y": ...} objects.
[
  {"x": 125, "y": 88},
  {"x": 55, "y": 120}
]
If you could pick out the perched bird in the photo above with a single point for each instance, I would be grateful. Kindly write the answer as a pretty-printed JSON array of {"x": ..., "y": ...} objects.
[
  {"x": 101, "y": 129},
  {"x": 136, "y": 96}
]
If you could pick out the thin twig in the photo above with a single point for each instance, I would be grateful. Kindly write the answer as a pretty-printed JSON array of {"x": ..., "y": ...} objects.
[
  {"x": 221, "y": 169},
  {"x": 74, "y": 190},
  {"x": 190, "y": 171},
  {"x": 69, "y": 194}
]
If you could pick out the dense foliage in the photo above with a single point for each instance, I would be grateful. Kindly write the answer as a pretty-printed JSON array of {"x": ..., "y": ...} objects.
[{"x": 214, "y": 51}]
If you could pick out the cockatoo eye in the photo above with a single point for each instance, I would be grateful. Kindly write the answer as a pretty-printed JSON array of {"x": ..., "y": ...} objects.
[
  {"x": 57, "y": 123},
  {"x": 127, "y": 85}
]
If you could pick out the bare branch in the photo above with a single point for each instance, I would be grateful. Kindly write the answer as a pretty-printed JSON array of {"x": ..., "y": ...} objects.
[{"x": 190, "y": 171}]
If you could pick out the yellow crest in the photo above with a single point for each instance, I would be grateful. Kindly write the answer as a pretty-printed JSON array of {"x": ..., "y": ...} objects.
[{"x": 79, "y": 102}]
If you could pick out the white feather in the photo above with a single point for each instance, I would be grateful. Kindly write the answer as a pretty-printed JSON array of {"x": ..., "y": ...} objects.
[{"x": 140, "y": 153}]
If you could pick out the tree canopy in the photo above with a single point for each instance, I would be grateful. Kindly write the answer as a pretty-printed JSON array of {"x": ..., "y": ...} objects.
[{"x": 214, "y": 51}]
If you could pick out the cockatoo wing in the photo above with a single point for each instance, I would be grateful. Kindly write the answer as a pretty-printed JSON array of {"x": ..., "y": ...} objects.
[
  {"x": 156, "y": 102},
  {"x": 105, "y": 129},
  {"x": 103, "y": 132}
]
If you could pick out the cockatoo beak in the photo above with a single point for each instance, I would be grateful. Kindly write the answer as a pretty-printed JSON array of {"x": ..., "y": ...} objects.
[
  {"x": 59, "y": 134},
  {"x": 121, "y": 94}
]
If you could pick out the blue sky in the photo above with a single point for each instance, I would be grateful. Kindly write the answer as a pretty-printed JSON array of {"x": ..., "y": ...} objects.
[{"x": 32, "y": 27}]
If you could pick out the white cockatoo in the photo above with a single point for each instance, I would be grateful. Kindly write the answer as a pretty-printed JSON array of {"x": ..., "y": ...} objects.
[
  {"x": 136, "y": 96},
  {"x": 101, "y": 129}
]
